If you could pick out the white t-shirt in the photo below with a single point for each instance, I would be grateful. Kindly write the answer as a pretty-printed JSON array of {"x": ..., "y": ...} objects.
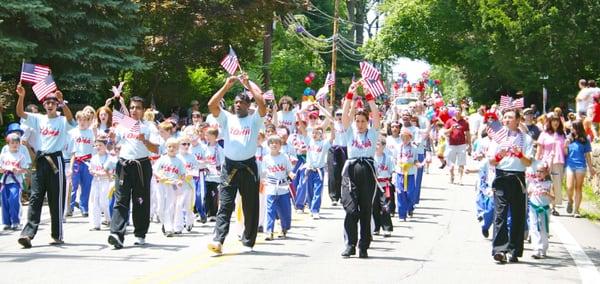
[
  {"x": 10, "y": 160},
  {"x": 406, "y": 154},
  {"x": 53, "y": 131},
  {"x": 214, "y": 158},
  {"x": 276, "y": 168},
  {"x": 511, "y": 163},
  {"x": 212, "y": 122},
  {"x": 299, "y": 142},
  {"x": 287, "y": 119},
  {"x": 192, "y": 166},
  {"x": 384, "y": 165},
  {"x": 316, "y": 156},
  {"x": 340, "y": 134},
  {"x": 131, "y": 147},
  {"x": 99, "y": 164},
  {"x": 392, "y": 143},
  {"x": 240, "y": 134},
  {"x": 31, "y": 136},
  {"x": 171, "y": 168},
  {"x": 83, "y": 141},
  {"x": 361, "y": 144},
  {"x": 584, "y": 99}
]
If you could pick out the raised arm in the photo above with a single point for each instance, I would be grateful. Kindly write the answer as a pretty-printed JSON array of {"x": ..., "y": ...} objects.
[
  {"x": 65, "y": 108},
  {"x": 213, "y": 103},
  {"x": 258, "y": 95},
  {"x": 346, "y": 115},
  {"x": 19, "y": 107},
  {"x": 374, "y": 111}
]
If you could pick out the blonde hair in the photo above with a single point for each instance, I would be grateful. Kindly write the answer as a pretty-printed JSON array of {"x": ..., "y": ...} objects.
[
  {"x": 274, "y": 139},
  {"x": 166, "y": 126},
  {"x": 149, "y": 115},
  {"x": 172, "y": 142}
]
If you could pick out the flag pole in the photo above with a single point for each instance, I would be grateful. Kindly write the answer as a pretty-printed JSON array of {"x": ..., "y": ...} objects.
[
  {"x": 333, "y": 50},
  {"x": 20, "y": 75}
]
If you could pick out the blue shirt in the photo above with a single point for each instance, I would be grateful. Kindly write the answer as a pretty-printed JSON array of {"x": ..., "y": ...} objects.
[{"x": 576, "y": 154}]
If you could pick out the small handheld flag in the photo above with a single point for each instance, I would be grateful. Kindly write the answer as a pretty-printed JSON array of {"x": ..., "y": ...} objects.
[
  {"x": 230, "y": 62},
  {"x": 44, "y": 87},
  {"x": 33, "y": 73}
]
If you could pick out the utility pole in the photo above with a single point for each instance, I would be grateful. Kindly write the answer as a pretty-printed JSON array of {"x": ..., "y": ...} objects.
[{"x": 334, "y": 51}]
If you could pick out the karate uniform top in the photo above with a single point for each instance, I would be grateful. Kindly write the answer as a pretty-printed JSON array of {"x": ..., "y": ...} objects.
[
  {"x": 361, "y": 145},
  {"x": 316, "y": 156},
  {"x": 340, "y": 134},
  {"x": 131, "y": 147},
  {"x": 83, "y": 142},
  {"x": 214, "y": 158},
  {"x": 287, "y": 119},
  {"x": 510, "y": 162},
  {"x": 53, "y": 132},
  {"x": 275, "y": 168},
  {"x": 171, "y": 168},
  {"x": 9, "y": 160},
  {"x": 406, "y": 154},
  {"x": 99, "y": 164},
  {"x": 391, "y": 143},
  {"x": 240, "y": 134}
]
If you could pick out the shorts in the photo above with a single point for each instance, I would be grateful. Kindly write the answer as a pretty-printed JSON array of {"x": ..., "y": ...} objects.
[
  {"x": 575, "y": 170},
  {"x": 456, "y": 154}
]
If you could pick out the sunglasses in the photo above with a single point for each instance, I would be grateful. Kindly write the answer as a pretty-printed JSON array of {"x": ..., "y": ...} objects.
[
  {"x": 338, "y": 114},
  {"x": 185, "y": 144},
  {"x": 196, "y": 115}
]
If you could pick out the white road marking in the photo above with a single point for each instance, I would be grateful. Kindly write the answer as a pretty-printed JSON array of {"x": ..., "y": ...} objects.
[{"x": 587, "y": 270}]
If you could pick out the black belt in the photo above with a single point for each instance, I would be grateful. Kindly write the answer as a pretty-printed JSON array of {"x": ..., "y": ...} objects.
[
  {"x": 48, "y": 157},
  {"x": 127, "y": 163}
]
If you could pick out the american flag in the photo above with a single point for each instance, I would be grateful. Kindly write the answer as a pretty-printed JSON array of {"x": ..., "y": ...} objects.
[
  {"x": 33, "y": 73},
  {"x": 269, "y": 95},
  {"x": 507, "y": 102},
  {"x": 44, "y": 87},
  {"x": 367, "y": 71},
  {"x": 496, "y": 131},
  {"x": 322, "y": 93},
  {"x": 126, "y": 122},
  {"x": 330, "y": 80},
  {"x": 230, "y": 62},
  {"x": 375, "y": 86}
]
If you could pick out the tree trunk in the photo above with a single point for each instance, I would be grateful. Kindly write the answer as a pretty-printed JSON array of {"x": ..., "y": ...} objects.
[
  {"x": 267, "y": 52},
  {"x": 360, "y": 18},
  {"x": 351, "y": 4}
]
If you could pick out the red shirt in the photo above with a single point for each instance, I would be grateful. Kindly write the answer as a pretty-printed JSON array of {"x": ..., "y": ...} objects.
[
  {"x": 459, "y": 128},
  {"x": 444, "y": 116},
  {"x": 596, "y": 117}
]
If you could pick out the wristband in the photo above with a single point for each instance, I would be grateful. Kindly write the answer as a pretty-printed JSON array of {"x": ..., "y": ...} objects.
[
  {"x": 349, "y": 95},
  {"x": 519, "y": 155},
  {"x": 498, "y": 158},
  {"x": 369, "y": 97}
]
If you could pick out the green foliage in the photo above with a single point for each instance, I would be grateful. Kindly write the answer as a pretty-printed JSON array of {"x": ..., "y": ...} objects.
[
  {"x": 499, "y": 45},
  {"x": 453, "y": 81},
  {"x": 204, "y": 85}
]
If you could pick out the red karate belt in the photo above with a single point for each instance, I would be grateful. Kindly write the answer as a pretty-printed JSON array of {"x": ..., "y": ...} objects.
[
  {"x": 83, "y": 159},
  {"x": 387, "y": 192}
]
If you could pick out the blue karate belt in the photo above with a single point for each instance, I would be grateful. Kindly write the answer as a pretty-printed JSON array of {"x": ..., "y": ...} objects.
[{"x": 8, "y": 174}]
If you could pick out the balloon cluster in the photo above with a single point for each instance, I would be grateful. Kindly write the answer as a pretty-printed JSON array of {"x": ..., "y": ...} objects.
[{"x": 309, "y": 94}]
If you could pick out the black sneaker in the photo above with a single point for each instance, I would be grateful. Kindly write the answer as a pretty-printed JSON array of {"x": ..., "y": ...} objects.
[
  {"x": 513, "y": 259},
  {"x": 114, "y": 240},
  {"x": 349, "y": 251},
  {"x": 25, "y": 241},
  {"x": 362, "y": 253},
  {"x": 85, "y": 214},
  {"x": 485, "y": 233},
  {"x": 555, "y": 213},
  {"x": 500, "y": 257}
]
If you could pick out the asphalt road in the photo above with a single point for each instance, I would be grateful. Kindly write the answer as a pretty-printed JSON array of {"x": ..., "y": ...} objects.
[{"x": 442, "y": 242}]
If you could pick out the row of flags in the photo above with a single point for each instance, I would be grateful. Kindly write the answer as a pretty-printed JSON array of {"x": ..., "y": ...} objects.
[{"x": 40, "y": 77}]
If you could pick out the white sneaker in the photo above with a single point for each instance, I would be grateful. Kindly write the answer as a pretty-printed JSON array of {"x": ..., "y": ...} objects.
[
  {"x": 387, "y": 234},
  {"x": 246, "y": 249},
  {"x": 299, "y": 211},
  {"x": 215, "y": 247},
  {"x": 316, "y": 216},
  {"x": 140, "y": 242}
]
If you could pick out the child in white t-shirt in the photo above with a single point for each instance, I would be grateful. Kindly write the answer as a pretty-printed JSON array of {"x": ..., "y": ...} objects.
[
  {"x": 101, "y": 183},
  {"x": 13, "y": 164},
  {"x": 185, "y": 202},
  {"x": 539, "y": 191},
  {"x": 170, "y": 172},
  {"x": 275, "y": 170}
]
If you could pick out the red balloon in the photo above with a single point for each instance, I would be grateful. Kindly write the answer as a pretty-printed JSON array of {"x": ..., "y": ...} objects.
[{"x": 307, "y": 80}]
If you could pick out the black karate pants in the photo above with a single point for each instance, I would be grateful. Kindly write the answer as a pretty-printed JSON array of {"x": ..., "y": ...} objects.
[
  {"x": 358, "y": 188},
  {"x": 509, "y": 195},
  {"x": 132, "y": 185},
  {"x": 335, "y": 163},
  {"x": 211, "y": 199},
  {"x": 53, "y": 185},
  {"x": 381, "y": 211},
  {"x": 245, "y": 180}
]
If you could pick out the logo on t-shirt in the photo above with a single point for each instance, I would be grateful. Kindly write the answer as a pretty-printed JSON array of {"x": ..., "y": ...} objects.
[{"x": 46, "y": 131}]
